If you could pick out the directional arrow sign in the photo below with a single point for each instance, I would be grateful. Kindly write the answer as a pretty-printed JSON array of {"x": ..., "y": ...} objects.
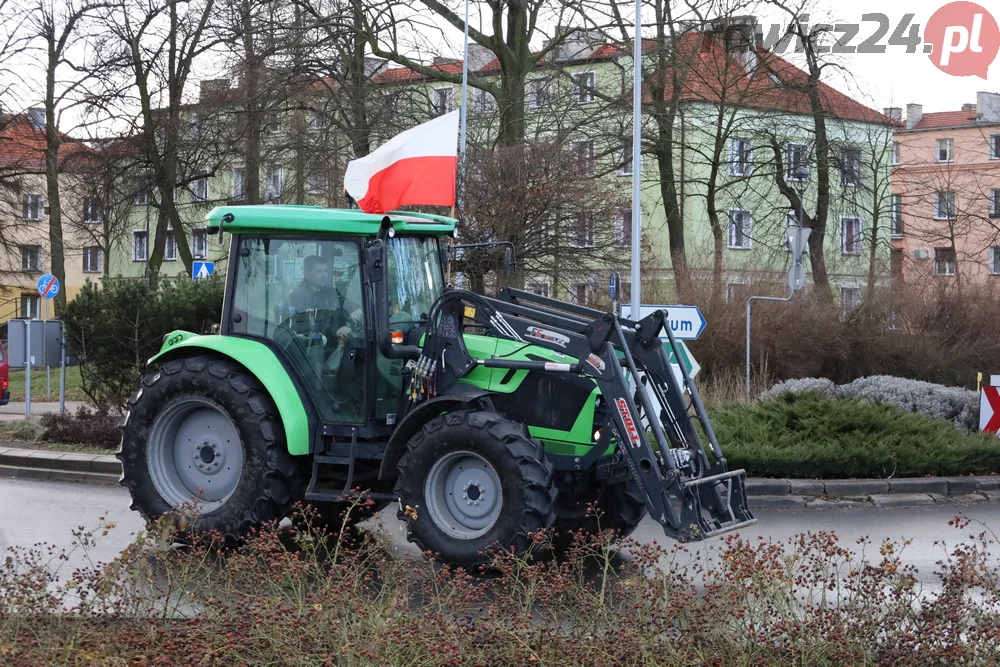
[
  {"x": 690, "y": 363},
  {"x": 200, "y": 270},
  {"x": 686, "y": 322}
]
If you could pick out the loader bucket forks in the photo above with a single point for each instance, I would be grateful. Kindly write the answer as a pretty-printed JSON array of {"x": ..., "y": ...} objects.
[{"x": 690, "y": 494}]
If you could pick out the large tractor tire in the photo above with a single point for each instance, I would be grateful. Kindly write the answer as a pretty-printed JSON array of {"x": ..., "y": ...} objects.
[
  {"x": 203, "y": 432},
  {"x": 328, "y": 517},
  {"x": 620, "y": 509},
  {"x": 474, "y": 479}
]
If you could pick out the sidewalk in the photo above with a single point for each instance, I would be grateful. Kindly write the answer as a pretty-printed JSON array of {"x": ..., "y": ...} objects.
[{"x": 15, "y": 409}]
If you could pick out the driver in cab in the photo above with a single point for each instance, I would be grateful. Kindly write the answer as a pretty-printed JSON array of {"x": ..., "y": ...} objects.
[{"x": 315, "y": 294}]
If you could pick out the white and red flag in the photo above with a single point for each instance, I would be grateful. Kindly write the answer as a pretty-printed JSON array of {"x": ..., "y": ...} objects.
[{"x": 416, "y": 167}]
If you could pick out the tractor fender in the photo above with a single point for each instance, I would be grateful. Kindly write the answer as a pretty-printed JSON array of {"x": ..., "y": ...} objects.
[
  {"x": 260, "y": 361},
  {"x": 461, "y": 396}
]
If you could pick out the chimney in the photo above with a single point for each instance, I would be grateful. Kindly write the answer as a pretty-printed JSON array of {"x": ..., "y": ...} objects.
[
  {"x": 988, "y": 106},
  {"x": 212, "y": 88},
  {"x": 36, "y": 116},
  {"x": 895, "y": 113},
  {"x": 914, "y": 112},
  {"x": 479, "y": 57},
  {"x": 968, "y": 106}
]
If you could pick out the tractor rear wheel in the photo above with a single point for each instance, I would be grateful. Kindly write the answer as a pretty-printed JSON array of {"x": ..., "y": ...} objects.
[
  {"x": 474, "y": 478},
  {"x": 203, "y": 432}
]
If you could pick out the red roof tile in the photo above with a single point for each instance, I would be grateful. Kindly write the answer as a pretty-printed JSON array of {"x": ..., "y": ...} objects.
[
  {"x": 22, "y": 146},
  {"x": 945, "y": 119}
]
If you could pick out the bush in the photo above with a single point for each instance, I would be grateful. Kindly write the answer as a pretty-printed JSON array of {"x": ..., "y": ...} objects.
[
  {"x": 115, "y": 329},
  {"x": 813, "y": 436},
  {"x": 807, "y": 600},
  {"x": 95, "y": 427},
  {"x": 23, "y": 430}
]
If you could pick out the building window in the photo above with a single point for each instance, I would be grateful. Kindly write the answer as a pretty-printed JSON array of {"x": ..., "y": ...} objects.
[
  {"x": 740, "y": 227},
  {"x": 441, "y": 101},
  {"x": 199, "y": 243},
  {"x": 538, "y": 288},
  {"x": 944, "y": 205},
  {"x": 944, "y": 149},
  {"x": 32, "y": 207},
  {"x": 896, "y": 215},
  {"x": 740, "y": 155},
  {"x": 896, "y": 152},
  {"x": 93, "y": 259},
  {"x": 578, "y": 293},
  {"x": 850, "y": 167},
  {"x": 623, "y": 228},
  {"x": 239, "y": 183},
  {"x": 797, "y": 162},
  {"x": 539, "y": 93},
  {"x": 995, "y": 203},
  {"x": 624, "y": 158},
  {"x": 91, "y": 210},
  {"x": 584, "y": 84},
  {"x": 170, "y": 246},
  {"x": 737, "y": 291},
  {"x": 317, "y": 120},
  {"x": 582, "y": 231},
  {"x": 995, "y": 146},
  {"x": 143, "y": 186},
  {"x": 584, "y": 152},
  {"x": 139, "y": 246},
  {"x": 850, "y": 236},
  {"x": 31, "y": 258},
  {"x": 850, "y": 299},
  {"x": 272, "y": 123},
  {"x": 483, "y": 101},
  {"x": 199, "y": 189},
  {"x": 273, "y": 180},
  {"x": 944, "y": 261},
  {"x": 317, "y": 182},
  {"x": 29, "y": 306},
  {"x": 995, "y": 261}
]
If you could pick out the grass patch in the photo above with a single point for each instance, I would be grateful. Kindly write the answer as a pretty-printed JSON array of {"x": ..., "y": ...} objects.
[
  {"x": 809, "y": 436},
  {"x": 74, "y": 391}
]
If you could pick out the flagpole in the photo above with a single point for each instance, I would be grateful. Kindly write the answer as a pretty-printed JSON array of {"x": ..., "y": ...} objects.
[
  {"x": 636, "y": 162},
  {"x": 465, "y": 104}
]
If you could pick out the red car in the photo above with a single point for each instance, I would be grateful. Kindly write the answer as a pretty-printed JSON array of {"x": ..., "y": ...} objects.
[{"x": 4, "y": 376}]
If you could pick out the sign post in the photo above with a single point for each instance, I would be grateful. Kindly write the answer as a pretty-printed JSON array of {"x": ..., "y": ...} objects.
[{"x": 48, "y": 288}]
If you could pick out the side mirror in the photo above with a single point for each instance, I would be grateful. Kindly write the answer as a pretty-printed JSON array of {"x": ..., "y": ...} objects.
[
  {"x": 375, "y": 260},
  {"x": 509, "y": 263}
]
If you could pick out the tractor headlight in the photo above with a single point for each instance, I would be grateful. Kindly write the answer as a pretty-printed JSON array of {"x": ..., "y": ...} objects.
[{"x": 597, "y": 435}]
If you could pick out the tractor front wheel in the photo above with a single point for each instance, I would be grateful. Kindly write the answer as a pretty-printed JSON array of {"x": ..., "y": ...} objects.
[
  {"x": 472, "y": 479},
  {"x": 615, "y": 507},
  {"x": 204, "y": 433}
]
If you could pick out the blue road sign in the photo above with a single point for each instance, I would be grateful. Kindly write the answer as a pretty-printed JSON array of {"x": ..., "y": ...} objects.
[
  {"x": 48, "y": 286},
  {"x": 614, "y": 280},
  {"x": 201, "y": 270},
  {"x": 686, "y": 322}
]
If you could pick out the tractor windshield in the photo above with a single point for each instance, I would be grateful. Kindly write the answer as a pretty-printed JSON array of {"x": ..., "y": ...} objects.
[{"x": 415, "y": 278}]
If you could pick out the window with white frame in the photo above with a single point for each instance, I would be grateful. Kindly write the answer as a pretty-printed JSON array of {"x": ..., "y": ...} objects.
[
  {"x": 943, "y": 149},
  {"x": 850, "y": 235},
  {"x": 896, "y": 215},
  {"x": 31, "y": 207},
  {"x": 624, "y": 158},
  {"x": 850, "y": 167},
  {"x": 239, "y": 192},
  {"x": 737, "y": 290},
  {"x": 623, "y": 227},
  {"x": 91, "y": 210},
  {"x": 944, "y": 204},
  {"x": 797, "y": 162},
  {"x": 850, "y": 300},
  {"x": 143, "y": 188},
  {"x": 93, "y": 259},
  {"x": 740, "y": 156},
  {"x": 539, "y": 92},
  {"x": 995, "y": 146},
  {"x": 483, "y": 101},
  {"x": 740, "y": 228},
  {"x": 273, "y": 181},
  {"x": 442, "y": 101},
  {"x": 199, "y": 189},
  {"x": 199, "y": 243},
  {"x": 29, "y": 306},
  {"x": 995, "y": 203},
  {"x": 583, "y": 150},
  {"x": 31, "y": 258},
  {"x": 170, "y": 246},
  {"x": 272, "y": 123},
  {"x": 538, "y": 287},
  {"x": 944, "y": 261},
  {"x": 317, "y": 182},
  {"x": 318, "y": 120},
  {"x": 995, "y": 261},
  {"x": 584, "y": 84},
  {"x": 579, "y": 293},
  {"x": 140, "y": 246},
  {"x": 581, "y": 230},
  {"x": 896, "y": 152}
]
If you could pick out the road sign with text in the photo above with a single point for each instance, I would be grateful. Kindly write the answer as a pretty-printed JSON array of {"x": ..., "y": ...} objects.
[{"x": 686, "y": 322}]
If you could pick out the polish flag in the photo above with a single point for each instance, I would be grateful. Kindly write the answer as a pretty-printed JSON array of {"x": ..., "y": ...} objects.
[{"x": 415, "y": 167}]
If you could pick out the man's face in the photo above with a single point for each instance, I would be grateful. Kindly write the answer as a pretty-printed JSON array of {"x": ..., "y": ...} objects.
[{"x": 318, "y": 275}]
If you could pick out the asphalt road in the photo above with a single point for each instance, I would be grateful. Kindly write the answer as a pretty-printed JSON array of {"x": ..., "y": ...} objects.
[{"x": 34, "y": 512}]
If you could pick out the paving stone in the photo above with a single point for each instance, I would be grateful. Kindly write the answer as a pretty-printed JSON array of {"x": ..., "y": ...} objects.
[
  {"x": 100, "y": 478},
  {"x": 15, "y": 457},
  {"x": 918, "y": 485},
  {"x": 807, "y": 487},
  {"x": 992, "y": 496},
  {"x": 777, "y": 502},
  {"x": 74, "y": 461},
  {"x": 108, "y": 465},
  {"x": 988, "y": 482},
  {"x": 759, "y": 486},
  {"x": 33, "y": 473},
  {"x": 8, "y": 471},
  {"x": 833, "y": 503},
  {"x": 901, "y": 499},
  {"x": 968, "y": 498},
  {"x": 855, "y": 488},
  {"x": 67, "y": 476},
  {"x": 961, "y": 486}
]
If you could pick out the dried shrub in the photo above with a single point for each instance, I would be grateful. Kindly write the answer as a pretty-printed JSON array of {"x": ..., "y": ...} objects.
[{"x": 97, "y": 427}]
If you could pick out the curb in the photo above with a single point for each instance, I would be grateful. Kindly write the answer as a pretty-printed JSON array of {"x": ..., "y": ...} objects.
[{"x": 765, "y": 492}]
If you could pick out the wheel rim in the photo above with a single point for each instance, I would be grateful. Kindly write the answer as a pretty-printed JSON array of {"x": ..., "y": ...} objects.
[
  {"x": 194, "y": 454},
  {"x": 463, "y": 495}
]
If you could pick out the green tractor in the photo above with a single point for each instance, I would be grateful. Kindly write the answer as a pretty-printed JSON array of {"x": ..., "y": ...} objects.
[{"x": 344, "y": 361}]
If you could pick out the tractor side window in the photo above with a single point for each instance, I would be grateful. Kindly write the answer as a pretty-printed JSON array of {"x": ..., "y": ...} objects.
[
  {"x": 306, "y": 295},
  {"x": 415, "y": 279}
]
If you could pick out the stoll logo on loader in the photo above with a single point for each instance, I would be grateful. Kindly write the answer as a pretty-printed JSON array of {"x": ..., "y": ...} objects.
[
  {"x": 548, "y": 336},
  {"x": 630, "y": 429}
]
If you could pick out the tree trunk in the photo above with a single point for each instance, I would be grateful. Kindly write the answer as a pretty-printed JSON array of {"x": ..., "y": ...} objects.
[{"x": 57, "y": 254}]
